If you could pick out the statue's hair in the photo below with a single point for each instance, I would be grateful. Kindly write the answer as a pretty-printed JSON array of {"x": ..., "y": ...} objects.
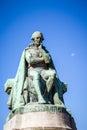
[{"x": 37, "y": 33}]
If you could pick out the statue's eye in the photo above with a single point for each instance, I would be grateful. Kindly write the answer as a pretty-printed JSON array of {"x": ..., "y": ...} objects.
[{"x": 38, "y": 37}]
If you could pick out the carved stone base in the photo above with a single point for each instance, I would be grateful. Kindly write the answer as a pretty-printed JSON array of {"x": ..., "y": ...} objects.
[{"x": 41, "y": 120}]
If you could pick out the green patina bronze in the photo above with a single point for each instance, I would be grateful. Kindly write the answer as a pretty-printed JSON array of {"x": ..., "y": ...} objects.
[
  {"x": 36, "y": 80},
  {"x": 30, "y": 107}
]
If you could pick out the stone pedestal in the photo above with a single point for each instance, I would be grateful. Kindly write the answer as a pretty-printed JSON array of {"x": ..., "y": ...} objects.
[{"x": 41, "y": 120}]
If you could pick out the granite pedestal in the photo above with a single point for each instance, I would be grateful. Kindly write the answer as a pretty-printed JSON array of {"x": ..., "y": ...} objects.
[{"x": 40, "y": 117}]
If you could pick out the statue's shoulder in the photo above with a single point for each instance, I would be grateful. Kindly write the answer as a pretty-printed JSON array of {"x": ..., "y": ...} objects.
[
  {"x": 26, "y": 48},
  {"x": 44, "y": 48},
  {"x": 29, "y": 47}
]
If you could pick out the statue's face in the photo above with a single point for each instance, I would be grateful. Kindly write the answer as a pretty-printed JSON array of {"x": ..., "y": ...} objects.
[{"x": 38, "y": 40}]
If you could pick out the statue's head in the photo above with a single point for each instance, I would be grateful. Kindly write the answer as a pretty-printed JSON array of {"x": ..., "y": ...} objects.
[{"x": 37, "y": 37}]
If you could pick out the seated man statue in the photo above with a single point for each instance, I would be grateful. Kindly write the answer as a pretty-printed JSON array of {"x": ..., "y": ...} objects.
[{"x": 36, "y": 71}]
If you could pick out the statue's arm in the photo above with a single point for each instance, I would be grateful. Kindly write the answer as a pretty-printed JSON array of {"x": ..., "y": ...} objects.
[
  {"x": 46, "y": 56},
  {"x": 27, "y": 56},
  {"x": 36, "y": 60},
  {"x": 33, "y": 60}
]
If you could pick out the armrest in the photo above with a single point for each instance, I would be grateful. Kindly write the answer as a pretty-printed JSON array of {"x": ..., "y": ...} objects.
[{"x": 8, "y": 85}]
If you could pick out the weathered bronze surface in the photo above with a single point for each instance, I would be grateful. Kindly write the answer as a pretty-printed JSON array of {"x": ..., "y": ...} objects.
[{"x": 36, "y": 79}]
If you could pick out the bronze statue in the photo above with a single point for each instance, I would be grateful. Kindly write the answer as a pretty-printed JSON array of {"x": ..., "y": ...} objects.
[{"x": 36, "y": 79}]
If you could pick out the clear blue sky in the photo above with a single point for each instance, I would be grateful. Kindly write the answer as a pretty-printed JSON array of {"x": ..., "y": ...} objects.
[{"x": 64, "y": 26}]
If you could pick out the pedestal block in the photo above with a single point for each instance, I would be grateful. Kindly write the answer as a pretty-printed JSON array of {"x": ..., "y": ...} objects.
[{"x": 41, "y": 120}]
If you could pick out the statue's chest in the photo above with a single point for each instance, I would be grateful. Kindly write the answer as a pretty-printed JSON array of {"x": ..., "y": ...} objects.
[{"x": 35, "y": 52}]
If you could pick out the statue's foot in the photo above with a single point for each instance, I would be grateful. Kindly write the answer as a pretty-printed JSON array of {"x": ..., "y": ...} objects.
[{"x": 42, "y": 101}]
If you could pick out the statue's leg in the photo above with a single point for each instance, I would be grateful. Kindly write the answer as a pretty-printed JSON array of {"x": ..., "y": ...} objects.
[
  {"x": 37, "y": 84},
  {"x": 26, "y": 96},
  {"x": 57, "y": 93},
  {"x": 49, "y": 75},
  {"x": 25, "y": 91}
]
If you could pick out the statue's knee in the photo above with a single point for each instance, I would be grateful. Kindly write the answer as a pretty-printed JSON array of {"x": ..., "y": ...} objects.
[{"x": 53, "y": 74}]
